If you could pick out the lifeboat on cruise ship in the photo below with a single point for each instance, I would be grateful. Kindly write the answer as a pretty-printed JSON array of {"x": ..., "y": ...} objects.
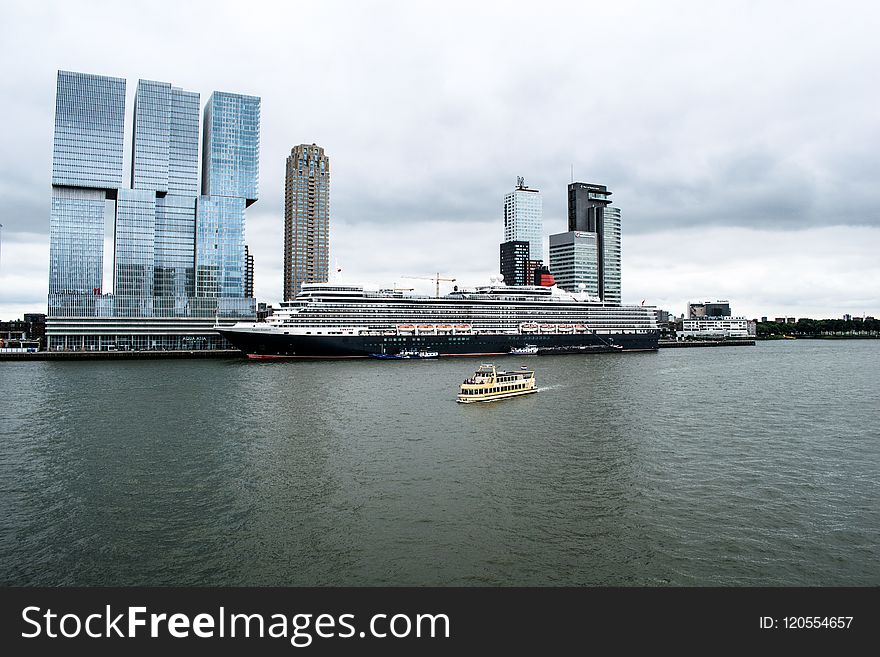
[
  {"x": 406, "y": 328},
  {"x": 426, "y": 328},
  {"x": 462, "y": 328},
  {"x": 565, "y": 328},
  {"x": 528, "y": 327},
  {"x": 580, "y": 328},
  {"x": 445, "y": 328},
  {"x": 548, "y": 328}
]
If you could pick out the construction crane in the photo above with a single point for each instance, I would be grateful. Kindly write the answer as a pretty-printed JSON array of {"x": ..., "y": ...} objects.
[{"x": 436, "y": 280}]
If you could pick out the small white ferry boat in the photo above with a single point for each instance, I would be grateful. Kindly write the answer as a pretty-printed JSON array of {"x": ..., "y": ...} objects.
[
  {"x": 528, "y": 350},
  {"x": 487, "y": 384}
]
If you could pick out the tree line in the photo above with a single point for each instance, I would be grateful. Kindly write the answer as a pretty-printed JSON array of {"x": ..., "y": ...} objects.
[{"x": 821, "y": 327}]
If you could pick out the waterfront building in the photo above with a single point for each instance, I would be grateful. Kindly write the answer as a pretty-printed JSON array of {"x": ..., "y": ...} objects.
[
  {"x": 715, "y": 327},
  {"x": 515, "y": 263},
  {"x": 524, "y": 218},
  {"x": 25, "y": 334},
  {"x": 574, "y": 261},
  {"x": 178, "y": 258},
  {"x": 708, "y": 309},
  {"x": 588, "y": 256},
  {"x": 306, "y": 218}
]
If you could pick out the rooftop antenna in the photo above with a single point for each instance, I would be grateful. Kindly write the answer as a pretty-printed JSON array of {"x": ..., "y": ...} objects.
[
  {"x": 572, "y": 173},
  {"x": 520, "y": 182}
]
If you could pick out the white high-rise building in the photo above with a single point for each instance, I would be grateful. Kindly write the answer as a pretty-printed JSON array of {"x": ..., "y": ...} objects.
[{"x": 524, "y": 219}]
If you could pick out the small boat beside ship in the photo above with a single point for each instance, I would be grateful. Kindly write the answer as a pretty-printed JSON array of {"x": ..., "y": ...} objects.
[
  {"x": 488, "y": 384},
  {"x": 527, "y": 350}
]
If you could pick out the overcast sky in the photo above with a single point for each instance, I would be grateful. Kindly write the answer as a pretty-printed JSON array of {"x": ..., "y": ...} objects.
[{"x": 740, "y": 139}]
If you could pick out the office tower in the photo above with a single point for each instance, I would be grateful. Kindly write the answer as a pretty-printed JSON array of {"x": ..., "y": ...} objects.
[
  {"x": 163, "y": 231},
  {"x": 589, "y": 253},
  {"x": 524, "y": 218},
  {"x": 574, "y": 261},
  {"x": 306, "y": 218},
  {"x": 248, "y": 272},
  {"x": 515, "y": 263}
]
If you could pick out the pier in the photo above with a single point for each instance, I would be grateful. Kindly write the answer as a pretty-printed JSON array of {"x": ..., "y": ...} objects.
[
  {"x": 674, "y": 344},
  {"x": 119, "y": 355}
]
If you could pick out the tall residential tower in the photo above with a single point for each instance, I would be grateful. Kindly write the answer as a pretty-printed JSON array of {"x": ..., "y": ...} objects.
[
  {"x": 524, "y": 218},
  {"x": 306, "y": 218}
]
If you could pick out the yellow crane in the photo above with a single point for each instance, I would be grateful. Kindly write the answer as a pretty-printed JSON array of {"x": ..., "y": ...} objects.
[{"x": 437, "y": 278}]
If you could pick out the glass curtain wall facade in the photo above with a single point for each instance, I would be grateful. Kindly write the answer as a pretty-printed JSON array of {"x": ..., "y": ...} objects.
[
  {"x": 76, "y": 241},
  {"x": 151, "y": 139},
  {"x": 306, "y": 218},
  {"x": 86, "y": 171},
  {"x": 174, "y": 248},
  {"x": 231, "y": 146},
  {"x": 589, "y": 211},
  {"x": 183, "y": 147},
  {"x": 574, "y": 261},
  {"x": 220, "y": 263},
  {"x": 524, "y": 219},
  {"x": 230, "y": 182},
  {"x": 89, "y": 125},
  {"x": 134, "y": 252},
  {"x": 163, "y": 230},
  {"x": 611, "y": 256}
]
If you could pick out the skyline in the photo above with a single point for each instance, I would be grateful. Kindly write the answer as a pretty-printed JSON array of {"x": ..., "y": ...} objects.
[{"x": 737, "y": 139}]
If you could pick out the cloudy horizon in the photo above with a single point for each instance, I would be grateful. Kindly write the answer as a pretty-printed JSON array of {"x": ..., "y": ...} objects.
[{"x": 738, "y": 139}]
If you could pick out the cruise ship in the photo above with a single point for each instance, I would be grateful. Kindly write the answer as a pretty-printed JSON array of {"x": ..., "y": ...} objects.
[{"x": 329, "y": 320}]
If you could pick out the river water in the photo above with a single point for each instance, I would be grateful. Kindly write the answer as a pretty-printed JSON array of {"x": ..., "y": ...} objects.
[{"x": 723, "y": 466}]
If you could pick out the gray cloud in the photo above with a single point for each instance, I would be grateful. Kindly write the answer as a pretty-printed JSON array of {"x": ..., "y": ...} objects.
[{"x": 694, "y": 114}]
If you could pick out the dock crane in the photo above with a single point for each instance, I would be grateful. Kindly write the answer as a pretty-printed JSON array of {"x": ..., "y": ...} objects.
[{"x": 437, "y": 278}]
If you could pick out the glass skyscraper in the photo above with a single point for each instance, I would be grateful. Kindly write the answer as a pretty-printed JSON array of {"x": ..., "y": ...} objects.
[
  {"x": 589, "y": 254},
  {"x": 178, "y": 258},
  {"x": 231, "y": 146},
  {"x": 306, "y": 218},
  {"x": 89, "y": 123},
  {"x": 524, "y": 219}
]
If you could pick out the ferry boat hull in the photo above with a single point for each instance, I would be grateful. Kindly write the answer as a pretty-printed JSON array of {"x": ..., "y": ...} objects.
[
  {"x": 270, "y": 345},
  {"x": 489, "y": 400}
]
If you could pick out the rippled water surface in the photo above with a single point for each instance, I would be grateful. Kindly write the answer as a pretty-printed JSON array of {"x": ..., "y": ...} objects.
[{"x": 727, "y": 466}]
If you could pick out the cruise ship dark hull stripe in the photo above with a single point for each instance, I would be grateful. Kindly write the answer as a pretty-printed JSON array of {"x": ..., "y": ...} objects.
[{"x": 269, "y": 345}]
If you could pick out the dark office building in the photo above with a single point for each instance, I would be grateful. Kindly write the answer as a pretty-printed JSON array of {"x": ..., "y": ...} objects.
[
  {"x": 708, "y": 309},
  {"x": 515, "y": 263},
  {"x": 589, "y": 211}
]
